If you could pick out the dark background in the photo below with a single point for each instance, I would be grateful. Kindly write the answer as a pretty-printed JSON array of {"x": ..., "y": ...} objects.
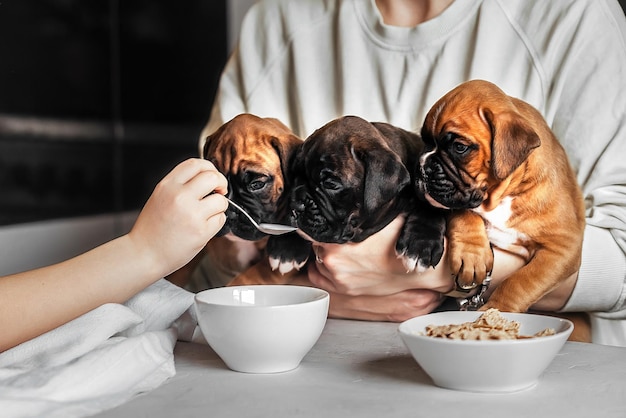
[{"x": 99, "y": 99}]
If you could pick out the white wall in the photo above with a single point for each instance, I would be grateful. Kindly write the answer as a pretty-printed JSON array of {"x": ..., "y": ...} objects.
[{"x": 31, "y": 245}]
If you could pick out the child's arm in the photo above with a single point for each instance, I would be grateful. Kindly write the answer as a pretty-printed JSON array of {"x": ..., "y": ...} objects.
[{"x": 174, "y": 225}]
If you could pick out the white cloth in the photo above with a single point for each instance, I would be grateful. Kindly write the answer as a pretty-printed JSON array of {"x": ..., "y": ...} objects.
[
  {"x": 99, "y": 360},
  {"x": 308, "y": 62}
]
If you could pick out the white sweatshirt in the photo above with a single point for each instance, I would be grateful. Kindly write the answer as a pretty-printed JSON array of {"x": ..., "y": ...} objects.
[{"x": 307, "y": 62}]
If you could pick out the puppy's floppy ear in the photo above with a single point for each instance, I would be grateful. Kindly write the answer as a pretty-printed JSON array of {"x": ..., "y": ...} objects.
[
  {"x": 214, "y": 145},
  {"x": 211, "y": 142},
  {"x": 513, "y": 139},
  {"x": 285, "y": 148},
  {"x": 207, "y": 146},
  {"x": 385, "y": 176}
]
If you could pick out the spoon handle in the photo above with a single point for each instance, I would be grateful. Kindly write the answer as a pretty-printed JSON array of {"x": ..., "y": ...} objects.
[{"x": 242, "y": 210}]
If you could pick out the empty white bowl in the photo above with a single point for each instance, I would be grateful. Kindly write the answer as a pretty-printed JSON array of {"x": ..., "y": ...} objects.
[
  {"x": 487, "y": 365},
  {"x": 262, "y": 328}
]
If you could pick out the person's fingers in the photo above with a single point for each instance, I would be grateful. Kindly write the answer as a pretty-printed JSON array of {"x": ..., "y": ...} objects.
[
  {"x": 396, "y": 307},
  {"x": 205, "y": 183},
  {"x": 189, "y": 168},
  {"x": 319, "y": 279},
  {"x": 214, "y": 204},
  {"x": 215, "y": 223}
]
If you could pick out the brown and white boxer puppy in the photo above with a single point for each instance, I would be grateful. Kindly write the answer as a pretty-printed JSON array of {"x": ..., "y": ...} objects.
[
  {"x": 493, "y": 160},
  {"x": 253, "y": 153},
  {"x": 351, "y": 178}
]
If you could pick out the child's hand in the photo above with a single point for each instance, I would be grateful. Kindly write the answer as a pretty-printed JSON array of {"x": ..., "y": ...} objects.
[{"x": 182, "y": 214}]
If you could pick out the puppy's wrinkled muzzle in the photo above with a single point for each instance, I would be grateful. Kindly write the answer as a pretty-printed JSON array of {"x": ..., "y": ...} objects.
[
  {"x": 446, "y": 188},
  {"x": 314, "y": 218}
]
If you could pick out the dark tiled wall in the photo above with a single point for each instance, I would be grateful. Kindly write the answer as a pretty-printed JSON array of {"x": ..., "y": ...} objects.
[{"x": 99, "y": 99}]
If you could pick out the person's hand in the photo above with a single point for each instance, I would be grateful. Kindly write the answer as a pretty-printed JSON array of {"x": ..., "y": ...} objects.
[
  {"x": 181, "y": 215},
  {"x": 368, "y": 281},
  {"x": 397, "y": 307},
  {"x": 372, "y": 267}
]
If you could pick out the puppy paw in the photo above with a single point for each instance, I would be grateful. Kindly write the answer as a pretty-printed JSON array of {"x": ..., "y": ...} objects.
[
  {"x": 421, "y": 241},
  {"x": 285, "y": 266},
  {"x": 287, "y": 252},
  {"x": 469, "y": 252},
  {"x": 470, "y": 263},
  {"x": 420, "y": 254}
]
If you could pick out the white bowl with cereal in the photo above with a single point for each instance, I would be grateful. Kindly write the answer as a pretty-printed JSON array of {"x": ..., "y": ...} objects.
[{"x": 484, "y": 352}]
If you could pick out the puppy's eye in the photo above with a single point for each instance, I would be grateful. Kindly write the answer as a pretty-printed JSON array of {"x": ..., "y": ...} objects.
[
  {"x": 460, "y": 148},
  {"x": 331, "y": 184},
  {"x": 256, "y": 185},
  {"x": 256, "y": 182}
]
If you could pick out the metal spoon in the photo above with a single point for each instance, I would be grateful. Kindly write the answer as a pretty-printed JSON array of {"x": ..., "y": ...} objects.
[{"x": 270, "y": 229}]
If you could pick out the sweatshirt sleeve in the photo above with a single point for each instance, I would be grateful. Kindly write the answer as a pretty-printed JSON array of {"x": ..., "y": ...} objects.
[{"x": 585, "y": 63}]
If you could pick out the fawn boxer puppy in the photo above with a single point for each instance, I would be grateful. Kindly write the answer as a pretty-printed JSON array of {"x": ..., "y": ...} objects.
[
  {"x": 494, "y": 161},
  {"x": 253, "y": 154}
]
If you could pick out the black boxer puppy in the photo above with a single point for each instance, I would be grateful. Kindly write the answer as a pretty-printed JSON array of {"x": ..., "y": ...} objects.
[{"x": 351, "y": 178}]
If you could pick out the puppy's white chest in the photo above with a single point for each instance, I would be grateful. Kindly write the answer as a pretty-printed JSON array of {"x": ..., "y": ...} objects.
[
  {"x": 499, "y": 216},
  {"x": 500, "y": 235},
  {"x": 247, "y": 251}
]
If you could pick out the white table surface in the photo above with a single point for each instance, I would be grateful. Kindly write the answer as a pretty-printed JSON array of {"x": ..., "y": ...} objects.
[{"x": 362, "y": 369}]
